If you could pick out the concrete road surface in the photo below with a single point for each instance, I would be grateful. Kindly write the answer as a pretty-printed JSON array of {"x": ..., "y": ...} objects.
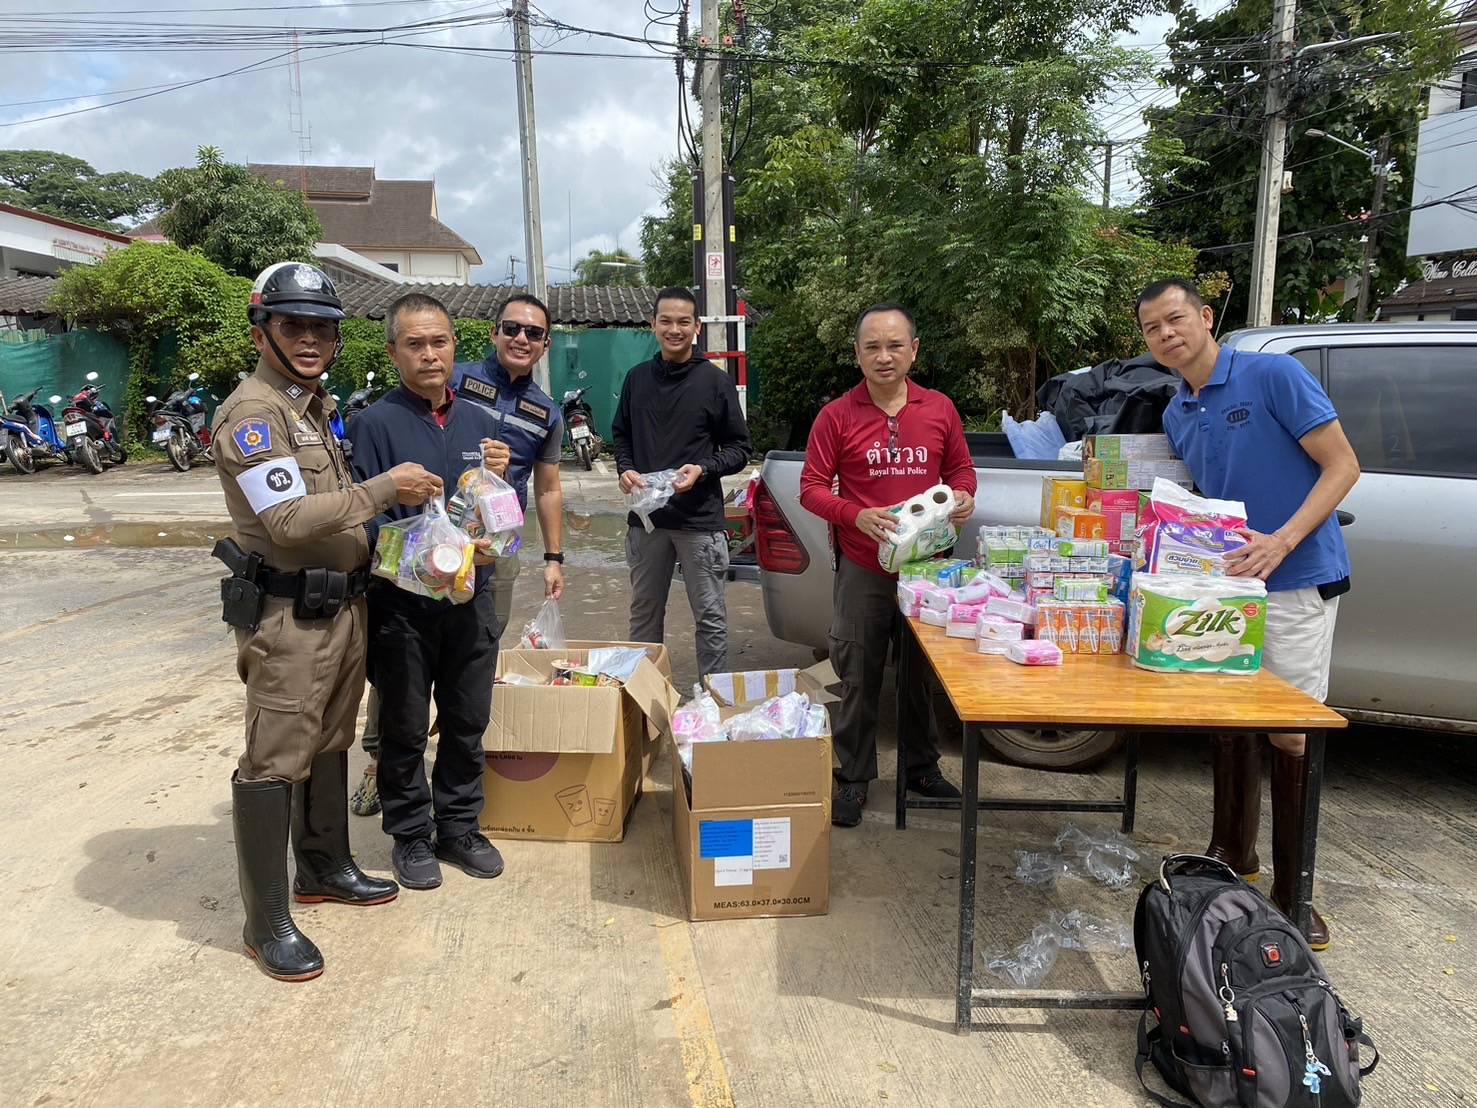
[{"x": 575, "y": 979}]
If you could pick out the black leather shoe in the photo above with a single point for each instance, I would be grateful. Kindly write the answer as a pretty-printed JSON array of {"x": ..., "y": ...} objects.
[
  {"x": 415, "y": 864},
  {"x": 320, "y": 841},
  {"x": 847, "y": 802},
  {"x": 933, "y": 784},
  {"x": 472, "y": 854},
  {"x": 259, "y": 813}
]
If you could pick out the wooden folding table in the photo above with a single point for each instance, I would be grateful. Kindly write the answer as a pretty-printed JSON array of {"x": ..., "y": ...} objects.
[{"x": 1092, "y": 692}]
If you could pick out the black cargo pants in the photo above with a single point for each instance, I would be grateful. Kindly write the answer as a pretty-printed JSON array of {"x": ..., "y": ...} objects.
[
  {"x": 864, "y": 625},
  {"x": 420, "y": 650}
]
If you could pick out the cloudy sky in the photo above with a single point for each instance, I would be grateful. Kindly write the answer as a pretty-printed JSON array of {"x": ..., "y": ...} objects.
[{"x": 605, "y": 124}]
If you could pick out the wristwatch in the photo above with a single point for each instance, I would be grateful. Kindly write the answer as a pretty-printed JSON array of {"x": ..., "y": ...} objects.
[{"x": 555, "y": 557}]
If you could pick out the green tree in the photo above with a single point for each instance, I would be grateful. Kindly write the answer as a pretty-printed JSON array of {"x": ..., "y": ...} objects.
[
  {"x": 608, "y": 268},
  {"x": 666, "y": 238},
  {"x": 236, "y": 219},
  {"x": 933, "y": 152},
  {"x": 147, "y": 289},
  {"x": 69, "y": 187},
  {"x": 1201, "y": 160}
]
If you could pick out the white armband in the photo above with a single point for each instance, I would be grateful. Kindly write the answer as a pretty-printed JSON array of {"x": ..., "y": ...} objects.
[{"x": 272, "y": 482}]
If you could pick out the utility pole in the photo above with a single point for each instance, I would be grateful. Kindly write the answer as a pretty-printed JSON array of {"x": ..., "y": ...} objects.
[
  {"x": 715, "y": 278},
  {"x": 1274, "y": 150},
  {"x": 1108, "y": 174},
  {"x": 533, "y": 231},
  {"x": 1371, "y": 230}
]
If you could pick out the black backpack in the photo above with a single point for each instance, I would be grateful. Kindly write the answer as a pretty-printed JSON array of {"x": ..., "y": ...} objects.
[{"x": 1239, "y": 1011}]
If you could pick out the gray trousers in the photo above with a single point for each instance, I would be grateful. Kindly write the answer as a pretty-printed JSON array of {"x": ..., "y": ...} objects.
[
  {"x": 864, "y": 624},
  {"x": 652, "y": 557},
  {"x": 502, "y": 605}
]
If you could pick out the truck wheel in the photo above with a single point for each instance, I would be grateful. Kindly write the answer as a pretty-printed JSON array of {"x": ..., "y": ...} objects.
[{"x": 1063, "y": 750}]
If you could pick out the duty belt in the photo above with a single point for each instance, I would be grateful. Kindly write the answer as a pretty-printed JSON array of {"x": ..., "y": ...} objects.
[{"x": 291, "y": 585}]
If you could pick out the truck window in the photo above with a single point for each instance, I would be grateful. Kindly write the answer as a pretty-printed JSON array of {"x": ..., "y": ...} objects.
[
  {"x": 1408, "y": 409},
  {"x": 1312, "y": 359}
]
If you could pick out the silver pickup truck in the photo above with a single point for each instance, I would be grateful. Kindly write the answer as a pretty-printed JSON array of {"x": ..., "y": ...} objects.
[{"x": 1406, "y": 648}]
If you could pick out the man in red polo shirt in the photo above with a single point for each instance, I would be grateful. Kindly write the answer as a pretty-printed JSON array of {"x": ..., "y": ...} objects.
[{"x": 882, "y": 442}]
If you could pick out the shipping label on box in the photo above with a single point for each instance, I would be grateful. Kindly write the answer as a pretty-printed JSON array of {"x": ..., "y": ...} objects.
[
  {"x": 752, "y": 829},
  {"x": 1060, "y": 492}
]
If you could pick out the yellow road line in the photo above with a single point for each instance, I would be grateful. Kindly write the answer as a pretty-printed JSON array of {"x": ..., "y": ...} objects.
[{"x": 702, "y": 1060}]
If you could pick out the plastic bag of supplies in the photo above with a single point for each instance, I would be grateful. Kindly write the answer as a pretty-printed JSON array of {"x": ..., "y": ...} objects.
[{"x": 427, "y": 554}]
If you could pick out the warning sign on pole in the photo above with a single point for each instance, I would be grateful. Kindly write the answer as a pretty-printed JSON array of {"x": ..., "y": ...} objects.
[{"x": 715, "y": 265}]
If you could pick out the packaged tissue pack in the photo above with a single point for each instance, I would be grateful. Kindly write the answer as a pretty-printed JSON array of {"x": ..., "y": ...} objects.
[
  {"x": 1183, "y": 624},
  {"x": 962, "y": 619},
  {"x": 923, "y": 529},
  {"x": 1033, "y": 653},
  {"x": 1189, "y": 534}
]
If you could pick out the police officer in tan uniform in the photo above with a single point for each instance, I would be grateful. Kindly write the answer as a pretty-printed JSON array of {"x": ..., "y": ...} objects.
[{"x": 300, "y": 565}]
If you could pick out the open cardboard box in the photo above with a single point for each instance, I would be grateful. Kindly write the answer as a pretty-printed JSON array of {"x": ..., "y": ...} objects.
[
  {"x": 754, "y": 838},
  {"x": 754, "y": 686},
  {"x": 565, "y": 762}
]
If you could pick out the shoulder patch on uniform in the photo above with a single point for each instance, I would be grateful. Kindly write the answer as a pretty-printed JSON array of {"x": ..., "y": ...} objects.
[
  {"x": 538, "y": 411},
  {"x": 474, "y": 388},
  {"x": 252, "y": 436}
]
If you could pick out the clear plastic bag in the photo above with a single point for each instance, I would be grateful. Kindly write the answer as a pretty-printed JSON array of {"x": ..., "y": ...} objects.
[
  {"x": 1040, "y": 438},
  {"x": 486, "y": 506},
  {"x": 1039, "y": 868},
  {"x": 1080, "y": 931},
  {"x": 427, "y": 554},
  {"x": 779, "y": 717},
  {"x": 618, "y": 662},
  {"x": 697, "y": 721},
  {"x": 545, "y": 631},
  {"x": 653, "y": 496},
  {"x": 1105, "y": 856},
  {"x": 1028, "y": 964}
]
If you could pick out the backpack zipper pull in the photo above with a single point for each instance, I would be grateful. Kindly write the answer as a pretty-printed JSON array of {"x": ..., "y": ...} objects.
[
  {"x": 1314, "y": 1070},
  {"x": 1227, "y": 994}
]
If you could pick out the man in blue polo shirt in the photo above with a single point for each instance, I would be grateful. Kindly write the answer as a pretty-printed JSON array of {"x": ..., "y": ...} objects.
[{"x": 1260, "y": 429}]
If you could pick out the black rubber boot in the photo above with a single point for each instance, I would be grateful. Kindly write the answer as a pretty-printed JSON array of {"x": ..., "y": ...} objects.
[
  {"x": 260, "y": 815},
  {"x": 320, "y": 840},
  {"x": 1236, "y": 762}
]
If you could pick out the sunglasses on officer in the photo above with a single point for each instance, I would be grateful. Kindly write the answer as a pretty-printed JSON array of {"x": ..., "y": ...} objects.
[
  {"x": 293, "y": 328},
  {"x": 511, "y": 328}
]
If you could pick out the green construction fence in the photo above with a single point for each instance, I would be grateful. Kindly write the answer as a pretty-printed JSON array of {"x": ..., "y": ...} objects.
[{"x": 59, "y": 365}]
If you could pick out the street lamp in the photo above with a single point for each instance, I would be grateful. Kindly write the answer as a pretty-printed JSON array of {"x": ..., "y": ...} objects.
[{"x": 1379, "y": 165}]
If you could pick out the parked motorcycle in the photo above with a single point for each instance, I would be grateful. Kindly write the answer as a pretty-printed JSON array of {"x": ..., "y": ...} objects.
[
  {"x": 579, "y": 427},
  {"x": 91, "y": 429},
  {"x": 360, "y": 399},
  {"x": 180, "y": 426},
  {"x": 30, "y": 433}
]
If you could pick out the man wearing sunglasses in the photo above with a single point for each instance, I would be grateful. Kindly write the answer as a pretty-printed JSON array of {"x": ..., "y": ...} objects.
[
  {"x": 299, "y": 561},
  {"x": 884, "y": 441},
  {"x": 532, "y": 426}
]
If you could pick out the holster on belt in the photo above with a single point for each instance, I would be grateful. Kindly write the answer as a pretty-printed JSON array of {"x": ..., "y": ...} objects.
[{"x": 242, "y": 595}]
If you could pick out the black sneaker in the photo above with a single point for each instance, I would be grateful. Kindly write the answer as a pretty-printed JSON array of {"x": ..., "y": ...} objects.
[
  {"x": 847, "y": 802},
  {"x": 933, "y": 784},
  {"x": 472, "y": 854},
  {"x": 415, "y": 864}
]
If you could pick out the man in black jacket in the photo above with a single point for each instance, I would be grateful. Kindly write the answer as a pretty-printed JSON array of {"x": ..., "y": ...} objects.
[
  {"x": 421, "y": 648},
  {"x": 680, "y": 411}
]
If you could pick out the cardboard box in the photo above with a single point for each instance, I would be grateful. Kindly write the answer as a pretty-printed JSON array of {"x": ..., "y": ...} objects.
[
  {"x": 1120, "y": 511},
  {"x": 757, "y": 685},
  {"x": 754, "y": 837},
  {"x": 1138, "y": 474},
  {"x": 1079, "y": 523},
  {"x": 1126, "y": 448},
  {"x": 566, "y": 763},
  {"x": 1060, "y": 492}
]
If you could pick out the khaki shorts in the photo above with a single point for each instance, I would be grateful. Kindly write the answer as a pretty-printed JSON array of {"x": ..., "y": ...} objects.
[{"x": 1299, "y": 643}]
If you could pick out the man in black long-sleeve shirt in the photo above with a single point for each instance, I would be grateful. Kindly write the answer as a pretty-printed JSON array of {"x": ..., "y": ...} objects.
[
  {"x": 421, "y": 648},
  {"x": 680, "y": 411}
]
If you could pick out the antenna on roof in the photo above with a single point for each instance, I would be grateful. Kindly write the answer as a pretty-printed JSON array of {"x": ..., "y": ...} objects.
[{"x": 295, "y": 121}]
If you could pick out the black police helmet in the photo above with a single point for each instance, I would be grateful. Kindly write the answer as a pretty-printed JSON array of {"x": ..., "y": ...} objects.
[{"x": 296, "y": 289}]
